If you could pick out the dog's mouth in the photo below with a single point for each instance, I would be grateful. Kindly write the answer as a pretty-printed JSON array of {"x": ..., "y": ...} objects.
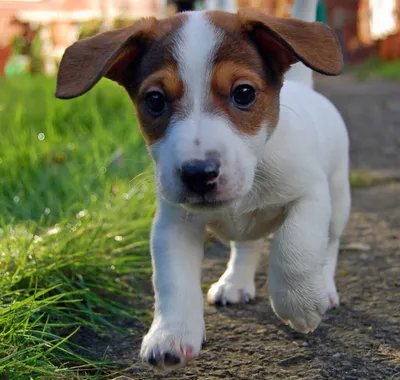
[
  {"x": 203, "y": 203},
  {"x": 205, "y": 206}
]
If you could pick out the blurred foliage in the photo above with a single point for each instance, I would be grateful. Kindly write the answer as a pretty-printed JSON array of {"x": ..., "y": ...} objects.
[
  {"x": 376, "y": 68},
  {"x": 29, "y": 49},
  {"x": 121, "y": 22},
  {"x": 36, "y": 55},
  {"x": 18, "y": 45},
  {"x": 90, "y": 28},
  {"x": 93, "y": 27}
]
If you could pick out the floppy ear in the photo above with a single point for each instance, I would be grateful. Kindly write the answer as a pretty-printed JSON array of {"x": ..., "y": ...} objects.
[
  {"x": 312, "y": 43},
  {"x": 107, "y": 54}
]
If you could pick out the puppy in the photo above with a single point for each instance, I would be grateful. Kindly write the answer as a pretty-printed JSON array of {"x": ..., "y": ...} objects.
[{"x": 243, "y": 146}]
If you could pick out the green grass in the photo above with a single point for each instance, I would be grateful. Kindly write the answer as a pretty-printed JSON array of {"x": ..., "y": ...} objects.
[
  {"x": 361, "y": 179},
  {"x": 76, "y": 203},
  {"x": 375, "y": 68},
  {"x": 368, "y": 178}
]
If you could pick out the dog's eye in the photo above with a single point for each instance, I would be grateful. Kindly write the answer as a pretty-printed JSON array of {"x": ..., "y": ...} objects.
[
  {"x": 243, "y": 96},
  {"x": 155, "y": 102}
]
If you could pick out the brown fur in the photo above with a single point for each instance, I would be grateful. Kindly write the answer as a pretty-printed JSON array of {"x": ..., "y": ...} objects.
[
  {"x": 238, "y": 58},
  {"x": 256, "y": 48},
  {"x": 313, "y": 43},
  {"x": 113, "y": 54},
  {"x": 107, "y": 54},
  {"x": 167, "y": 79},
  {"x": 225, "y": 76},
  {"x": 157, "y": 67}
]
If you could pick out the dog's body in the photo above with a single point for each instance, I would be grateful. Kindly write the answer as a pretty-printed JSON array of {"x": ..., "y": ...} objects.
[{"x": 237, "y": 153}]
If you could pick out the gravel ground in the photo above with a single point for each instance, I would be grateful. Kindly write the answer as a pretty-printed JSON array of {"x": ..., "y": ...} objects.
[{"x": 361, "y": 339}]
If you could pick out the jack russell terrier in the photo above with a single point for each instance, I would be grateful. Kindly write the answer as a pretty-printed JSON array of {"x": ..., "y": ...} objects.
[{"x": 243, "y": 146}]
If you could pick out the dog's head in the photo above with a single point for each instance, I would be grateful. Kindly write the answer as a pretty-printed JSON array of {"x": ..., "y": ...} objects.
[{"x": 206, "y": 89}]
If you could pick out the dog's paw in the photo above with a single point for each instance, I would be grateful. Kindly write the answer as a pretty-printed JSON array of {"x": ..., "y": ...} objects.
[
  {"x": 169, "y": 348},
  {"x": 231, "y": 289},
  {"x": 302, "y": 307}
]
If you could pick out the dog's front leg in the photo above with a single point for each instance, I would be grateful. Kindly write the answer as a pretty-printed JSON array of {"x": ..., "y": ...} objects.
[
  {"x": 237, "y": 284},
  {"x": 177, "y": 331},
  {"x": 295, "y": 280}
]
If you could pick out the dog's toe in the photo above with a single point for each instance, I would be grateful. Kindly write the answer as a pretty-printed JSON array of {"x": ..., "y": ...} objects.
[
  {"x": 169, "y": 360},
  {"x": 244, "y": 296},
  {"x": 153, "y": 360}
]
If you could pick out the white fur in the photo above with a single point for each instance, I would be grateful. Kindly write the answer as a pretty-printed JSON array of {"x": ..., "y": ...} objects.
[
  {"x": 213, "y": 133},
  {"x": 301, "y": 170},
  {"x": 177, "y": 250},
  {"x": 236, "y": 285}
]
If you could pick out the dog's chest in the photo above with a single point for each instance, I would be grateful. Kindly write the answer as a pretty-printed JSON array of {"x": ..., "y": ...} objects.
[{"x": 248, "y": 226}]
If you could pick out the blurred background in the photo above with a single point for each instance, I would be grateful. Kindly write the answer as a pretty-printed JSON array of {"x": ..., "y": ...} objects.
[{"x": 35, "y": 33}]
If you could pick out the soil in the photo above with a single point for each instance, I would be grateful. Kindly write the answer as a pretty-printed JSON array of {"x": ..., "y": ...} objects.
[{"x": 359, "y": 340}]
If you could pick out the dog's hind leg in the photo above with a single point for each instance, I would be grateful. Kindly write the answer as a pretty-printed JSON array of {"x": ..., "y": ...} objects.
[
  {"x": 341, "y": 201},
  {"x": 237, "y": 285}
]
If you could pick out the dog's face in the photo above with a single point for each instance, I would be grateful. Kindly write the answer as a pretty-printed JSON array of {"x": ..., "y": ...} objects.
[
  {"x": 206, "y": 89},
  {"x": 206, "y": 101}
]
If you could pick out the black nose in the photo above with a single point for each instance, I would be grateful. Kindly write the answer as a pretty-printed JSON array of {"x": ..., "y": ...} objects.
[{"x": 200, "y": 175}]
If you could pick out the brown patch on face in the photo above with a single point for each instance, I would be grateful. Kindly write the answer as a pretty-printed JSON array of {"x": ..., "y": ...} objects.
[
  {"x": 238, "y": 61},
  {"x": 267, "y": 46},
  {"x": 167, "y": 79},
  {"x": 157, "y": 67},
  {"x": 229, "y": 22},
  {"x": 227, "y": 73},
  {"x": 265, "y": 108},
  {"x": 240, "y": 46}
]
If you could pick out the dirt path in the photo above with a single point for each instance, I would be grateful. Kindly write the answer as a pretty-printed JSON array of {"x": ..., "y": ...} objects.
[{"x": 360, "y": 340}]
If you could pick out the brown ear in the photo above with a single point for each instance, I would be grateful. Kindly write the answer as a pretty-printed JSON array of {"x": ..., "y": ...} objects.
[
  {"x": 107, "y": 54},
  {"x": 312, "y": 43}
]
